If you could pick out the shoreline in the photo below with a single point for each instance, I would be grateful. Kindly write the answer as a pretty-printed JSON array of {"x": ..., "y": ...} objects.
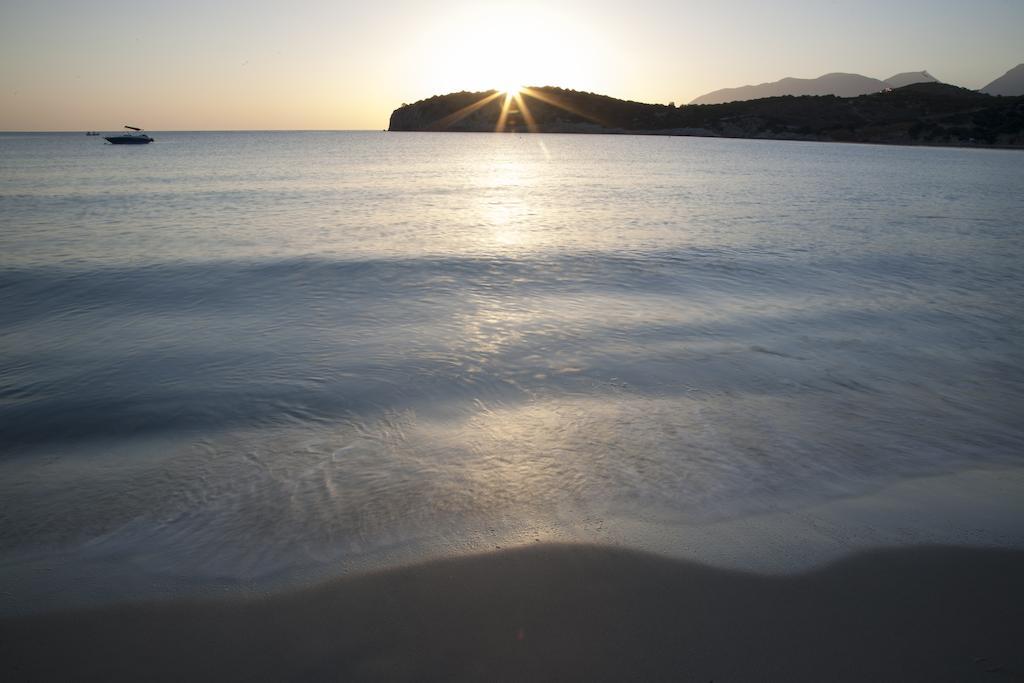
[
  {"x": 975, "y": 508},
  {"x": 562, "y": 611},
  {"x": 673, "y": 134}
]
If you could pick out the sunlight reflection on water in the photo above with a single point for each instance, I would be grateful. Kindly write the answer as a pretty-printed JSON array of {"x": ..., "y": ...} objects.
[{"x": 233, "y": 356}]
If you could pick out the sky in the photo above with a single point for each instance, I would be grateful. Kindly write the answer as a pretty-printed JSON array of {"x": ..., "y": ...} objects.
[{"x": 342, "y": 65}]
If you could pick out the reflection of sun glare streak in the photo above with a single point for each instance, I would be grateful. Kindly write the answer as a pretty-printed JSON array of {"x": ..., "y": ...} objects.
[
  {"x": 507, "y": 212},
  {"x": 544, "y": 148}
]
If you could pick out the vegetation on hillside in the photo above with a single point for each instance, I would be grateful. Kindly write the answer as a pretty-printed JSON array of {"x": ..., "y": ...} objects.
[{"x": 929, "y": 113}]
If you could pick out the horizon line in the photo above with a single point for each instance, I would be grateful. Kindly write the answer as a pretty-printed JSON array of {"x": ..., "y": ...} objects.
[{"x": 215, "y": 130}]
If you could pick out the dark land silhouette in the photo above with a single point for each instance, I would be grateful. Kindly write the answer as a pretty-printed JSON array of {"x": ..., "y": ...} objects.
[{"x": 921, "y": 113}]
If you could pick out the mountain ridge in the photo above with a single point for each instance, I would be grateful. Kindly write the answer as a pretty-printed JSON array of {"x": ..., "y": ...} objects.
[
  {"x": 839, "y": 84},
  {"x": 909, "y": 78},
  {"x": 1010, "y": 84}
]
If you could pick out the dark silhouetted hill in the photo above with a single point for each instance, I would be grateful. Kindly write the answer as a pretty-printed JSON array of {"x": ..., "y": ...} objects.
[
  {"x": 1009, "y": 84},
  {"x": 922, "y": 113},
  {"x": 838, "y": 84}
]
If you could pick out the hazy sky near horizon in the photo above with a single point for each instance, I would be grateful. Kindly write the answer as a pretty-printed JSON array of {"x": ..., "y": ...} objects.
[{"x": 332, "y": 64}]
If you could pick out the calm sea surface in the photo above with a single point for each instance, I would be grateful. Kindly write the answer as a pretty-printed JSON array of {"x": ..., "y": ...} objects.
[{"x": 230, "y": 358}]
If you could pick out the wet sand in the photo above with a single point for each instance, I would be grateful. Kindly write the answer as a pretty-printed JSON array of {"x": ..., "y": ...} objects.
[{"x": 560, "y": 612}]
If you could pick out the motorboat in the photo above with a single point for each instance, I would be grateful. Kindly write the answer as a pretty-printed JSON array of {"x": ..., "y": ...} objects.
[
  {"x": 92, "y": 132},
  {"x": 134, "y": 138}
]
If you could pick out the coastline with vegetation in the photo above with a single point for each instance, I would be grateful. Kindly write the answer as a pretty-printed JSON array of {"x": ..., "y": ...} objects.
[{"x": 917, "y": 114}]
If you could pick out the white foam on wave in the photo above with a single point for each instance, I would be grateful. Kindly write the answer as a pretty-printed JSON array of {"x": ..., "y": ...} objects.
[{"x": 716, "y": 479}]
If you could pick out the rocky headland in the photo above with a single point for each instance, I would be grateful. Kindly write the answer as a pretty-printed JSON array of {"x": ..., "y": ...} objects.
[{"x": 920, "y": 113}]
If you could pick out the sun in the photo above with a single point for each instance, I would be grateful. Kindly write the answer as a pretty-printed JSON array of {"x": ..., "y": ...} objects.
[{"x": 484, "y": 46}]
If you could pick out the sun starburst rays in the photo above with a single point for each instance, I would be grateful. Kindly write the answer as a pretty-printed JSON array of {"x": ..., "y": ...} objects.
[
  {"x": 514, "y": 113},
  {"x": 505, "y": 107},
  {"x": 531, "y": 123},
  {"x": 456, "y": 116},
  {"x": 557, "y": 102}
]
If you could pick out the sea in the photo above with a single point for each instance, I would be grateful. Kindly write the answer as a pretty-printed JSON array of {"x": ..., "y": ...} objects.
[{"x": 245, "y": 361}]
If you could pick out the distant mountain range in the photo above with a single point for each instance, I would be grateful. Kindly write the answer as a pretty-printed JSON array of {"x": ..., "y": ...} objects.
[
  {"x": 920, "y": 113},
  {"x": 909, "y": 78},
  {"x": 1010, "y": 84},
  {"x": 838, "y": 84}
]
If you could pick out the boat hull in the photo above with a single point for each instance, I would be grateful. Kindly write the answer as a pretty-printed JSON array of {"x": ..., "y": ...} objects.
[{"x": 129, "y": 140}]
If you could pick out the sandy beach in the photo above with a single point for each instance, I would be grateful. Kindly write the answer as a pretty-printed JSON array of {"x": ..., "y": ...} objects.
[{"x": 565, "y": 612}]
